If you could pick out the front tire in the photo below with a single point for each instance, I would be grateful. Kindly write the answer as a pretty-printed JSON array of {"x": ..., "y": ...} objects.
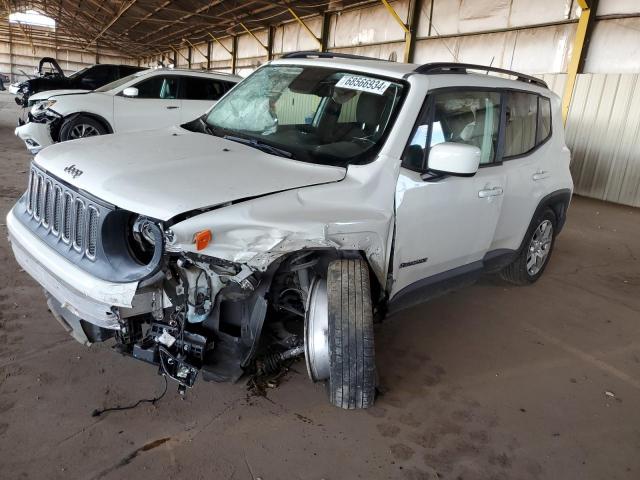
[
  {"x": 81, "y": 126},
  {"x": 352, "y": 369},
  {"x": 534, "y": 257}
]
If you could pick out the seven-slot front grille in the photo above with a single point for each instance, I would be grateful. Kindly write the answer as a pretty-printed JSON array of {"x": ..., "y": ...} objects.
[{"x": 63, "y": 213}]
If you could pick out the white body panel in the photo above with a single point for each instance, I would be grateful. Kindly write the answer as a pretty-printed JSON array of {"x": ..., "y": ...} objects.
[
  {"x": 85, "y": 295},
  {"x": 443, "y": 225},
  {"x": 36, "y": 136},
  {"x": 196, "y": 170},
  {"x": 47, "y": 94},
  {"x": 136, "y": 114}
]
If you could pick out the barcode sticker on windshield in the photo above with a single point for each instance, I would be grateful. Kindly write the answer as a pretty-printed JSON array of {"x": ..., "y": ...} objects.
[{"x": 365, "y": 84}]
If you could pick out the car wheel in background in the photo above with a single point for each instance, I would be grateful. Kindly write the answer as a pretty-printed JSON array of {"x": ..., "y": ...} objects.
[{"x": 81, "y": 126}]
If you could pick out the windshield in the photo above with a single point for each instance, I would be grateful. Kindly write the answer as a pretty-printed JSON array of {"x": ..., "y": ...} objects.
[
  {"x": 118, "y": 83},
  {"x": 78, "y": 73},
  {"x": 318, "y": 115}
]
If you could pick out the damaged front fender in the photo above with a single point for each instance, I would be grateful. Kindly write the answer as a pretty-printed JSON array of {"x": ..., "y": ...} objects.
[{"x": 353, "y": 214}]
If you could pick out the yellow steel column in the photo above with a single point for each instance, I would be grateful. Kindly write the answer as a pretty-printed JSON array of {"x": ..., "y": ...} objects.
[
  {"x": 407, "y": 32},
  {"x": 577, "y": 53}
]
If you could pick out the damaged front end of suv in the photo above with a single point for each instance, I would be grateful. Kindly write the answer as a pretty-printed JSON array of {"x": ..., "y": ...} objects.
[{"x": 227, "y": 245}]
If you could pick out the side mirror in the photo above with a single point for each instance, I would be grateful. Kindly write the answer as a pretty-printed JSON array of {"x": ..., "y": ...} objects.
[
  {"x": 451, "y": 158},
  {"x": 130, "y": 92}
]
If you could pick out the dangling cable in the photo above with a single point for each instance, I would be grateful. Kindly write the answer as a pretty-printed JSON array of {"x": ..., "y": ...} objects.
[{"x": 99, "y": 411}]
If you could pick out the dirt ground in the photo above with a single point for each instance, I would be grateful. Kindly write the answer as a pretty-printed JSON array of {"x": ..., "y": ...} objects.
[{"x": 492, "y": 382}]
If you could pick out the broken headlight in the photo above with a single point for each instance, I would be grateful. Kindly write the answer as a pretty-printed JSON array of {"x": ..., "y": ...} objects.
[
  {"x": 39, "y": 107},
  {"x": 144, "y": 237}
]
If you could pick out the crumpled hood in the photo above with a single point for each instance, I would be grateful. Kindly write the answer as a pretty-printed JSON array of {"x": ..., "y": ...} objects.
[
  {"x": 161, "y": 173},
  {"x": 37, "y": 97}
]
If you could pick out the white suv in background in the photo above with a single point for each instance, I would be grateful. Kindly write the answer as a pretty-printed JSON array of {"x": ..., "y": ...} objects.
[
  {"x": 321, "y": 192},
  {"x": 142, "y": 101}
]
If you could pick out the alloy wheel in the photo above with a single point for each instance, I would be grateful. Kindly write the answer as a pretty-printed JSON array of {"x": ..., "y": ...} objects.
[{"x": 539, "y": 247}]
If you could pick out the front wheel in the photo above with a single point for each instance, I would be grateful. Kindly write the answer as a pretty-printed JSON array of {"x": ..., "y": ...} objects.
[
  {"x": 352, "y": 368},
  {"x": 534, "y": 257},
  {"x": 81, "y": 126}
]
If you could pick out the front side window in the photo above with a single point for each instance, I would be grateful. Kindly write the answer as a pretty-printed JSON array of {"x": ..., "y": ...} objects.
[
  {"x": 316, "y": 114},
  {"x": 459, "y": 116},
  {"x": 158, "y": 87},
  {"x": 520, "y": 123}
]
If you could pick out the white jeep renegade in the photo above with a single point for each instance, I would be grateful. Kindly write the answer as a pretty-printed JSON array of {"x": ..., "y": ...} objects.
[{"x": 321, "y": 192}]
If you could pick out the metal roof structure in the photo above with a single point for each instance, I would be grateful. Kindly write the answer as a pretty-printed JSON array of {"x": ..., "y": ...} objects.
[{"x": 146, "y": 27}]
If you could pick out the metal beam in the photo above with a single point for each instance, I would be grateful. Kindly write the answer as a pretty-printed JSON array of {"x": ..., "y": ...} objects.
[
  {"x": 254, "y": 37},
  {"x": 415, "y": 6},
  {"x": 121, "y": 12},
  {"x": 324, "y": 35},
  {"x": 234, "y": 55},
  {"x": 270, "y": 40},
  {"x": 306, "y": 27},
  {"x": 175, "y": 50},
  {"x": 579, "y": 51},
  {"x": 194, "y": 47},
  {"x": 409, "y": 28},
  {"x": 230, "y": 52},
  {"x": 208, "y": 54},
  {"x": 395, "y": 16}
]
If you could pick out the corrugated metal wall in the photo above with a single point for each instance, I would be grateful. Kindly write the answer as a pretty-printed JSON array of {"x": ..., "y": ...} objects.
[{"x": 603, "y": 133}]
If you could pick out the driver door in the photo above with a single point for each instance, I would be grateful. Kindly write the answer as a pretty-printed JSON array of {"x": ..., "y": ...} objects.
[
  {"x": 445, "y": 226},
  {"x": 156, "y": 106}
]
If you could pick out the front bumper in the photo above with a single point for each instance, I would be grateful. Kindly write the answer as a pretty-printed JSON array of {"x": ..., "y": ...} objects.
[
  {"x": 35, "y": 136},
  {"x": 82, "y": 294}
]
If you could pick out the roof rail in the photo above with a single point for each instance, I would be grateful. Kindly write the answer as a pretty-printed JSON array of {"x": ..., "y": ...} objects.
[
  {"x": 314, "y": 54},
  {"x": 451, "y": 67}
]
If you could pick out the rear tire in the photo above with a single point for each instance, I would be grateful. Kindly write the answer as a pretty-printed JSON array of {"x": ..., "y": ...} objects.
[
  {"x": 351, "y": 345},
  {"x": 534, "y": 257},
  {"x": 81, "y": 126}
]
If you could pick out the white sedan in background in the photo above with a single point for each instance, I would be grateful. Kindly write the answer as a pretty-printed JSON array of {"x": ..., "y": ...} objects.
[{"x": 145, "y": 100}]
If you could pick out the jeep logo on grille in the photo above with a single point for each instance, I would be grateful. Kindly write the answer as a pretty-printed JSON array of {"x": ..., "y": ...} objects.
[{"x": 73, "y": 171}]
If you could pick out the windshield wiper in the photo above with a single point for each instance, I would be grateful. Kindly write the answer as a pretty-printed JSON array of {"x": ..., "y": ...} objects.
[{"x": 265, "y": 147}]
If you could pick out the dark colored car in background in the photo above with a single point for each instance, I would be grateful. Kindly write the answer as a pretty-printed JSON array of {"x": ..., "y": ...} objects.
[
  {"x": 52, "y": 77},
  {"x": 3, "y": 79}
]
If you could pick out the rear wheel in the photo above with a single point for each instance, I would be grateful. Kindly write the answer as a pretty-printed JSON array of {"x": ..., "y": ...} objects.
[
  {"x": 81, "y": 126},
  {"x": 534, "y": 257}
]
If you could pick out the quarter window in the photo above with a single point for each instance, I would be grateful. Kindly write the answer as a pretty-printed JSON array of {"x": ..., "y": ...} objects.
[{"x": 467, "y": 117}]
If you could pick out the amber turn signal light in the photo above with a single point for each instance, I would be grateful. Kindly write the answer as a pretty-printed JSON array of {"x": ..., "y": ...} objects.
[{"x": 202, "y": 239}]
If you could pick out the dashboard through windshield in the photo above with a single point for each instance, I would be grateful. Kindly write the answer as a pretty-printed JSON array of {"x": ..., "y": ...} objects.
[{"x": 316, "y": 114}]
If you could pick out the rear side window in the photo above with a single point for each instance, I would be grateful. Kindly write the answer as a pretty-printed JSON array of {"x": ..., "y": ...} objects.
[
  {"x": 520, "y": 123},
  {"x": 544, "y": 119},
  {"x": 194, "y": 88},
  {"x": 158, "y": 87}
]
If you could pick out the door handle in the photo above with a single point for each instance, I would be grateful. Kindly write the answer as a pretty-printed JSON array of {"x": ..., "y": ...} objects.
[
  {"x": 172, "y": 107},
  {"x": 490, "y": 192},
  {"x": 540, "y": 175}
]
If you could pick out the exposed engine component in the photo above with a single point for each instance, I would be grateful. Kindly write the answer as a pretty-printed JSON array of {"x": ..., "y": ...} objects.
[{"x": 272, "y": 363}]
